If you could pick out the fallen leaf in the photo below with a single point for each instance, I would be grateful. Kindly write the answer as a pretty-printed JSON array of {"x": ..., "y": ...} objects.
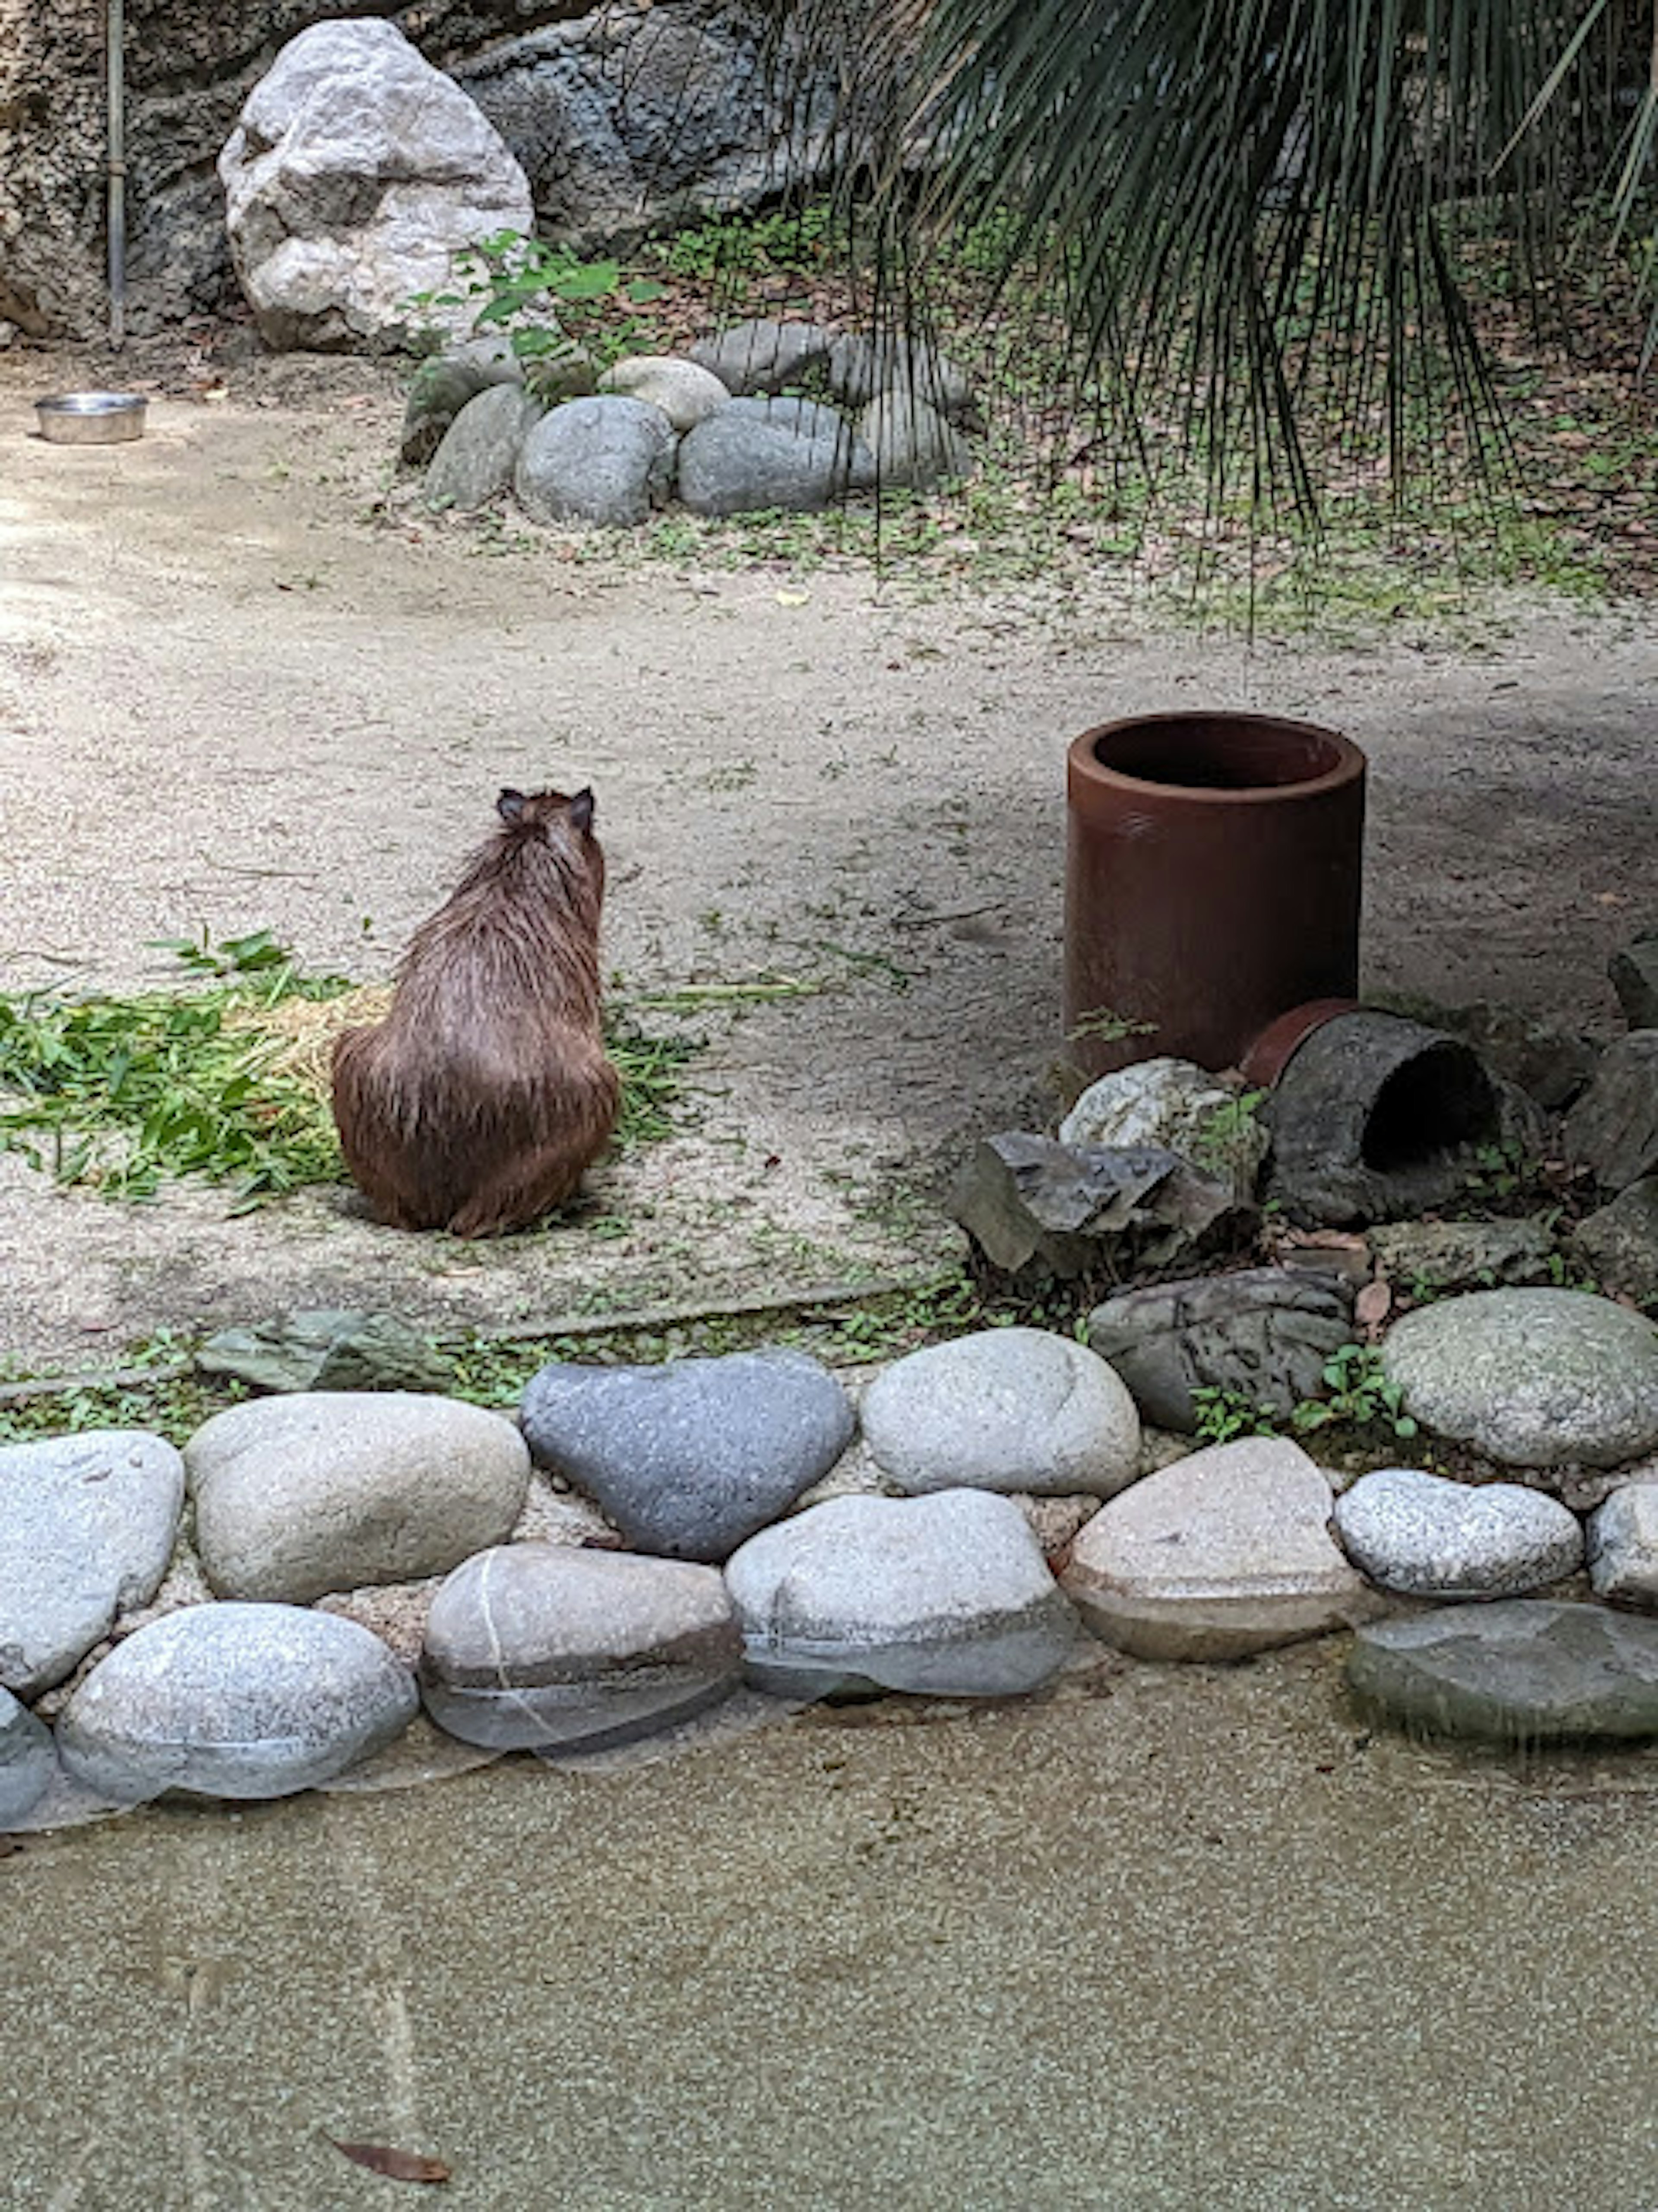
[
  {"x": 792, "y": 598},
  {"x": 1372, "y": 1305},
  {"x": 1327, "y": 1240},
  {"x": 395, "y": 2165}
]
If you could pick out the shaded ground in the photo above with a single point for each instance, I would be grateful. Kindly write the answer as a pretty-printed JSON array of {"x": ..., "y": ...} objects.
[{"x": 237, "y": 690}]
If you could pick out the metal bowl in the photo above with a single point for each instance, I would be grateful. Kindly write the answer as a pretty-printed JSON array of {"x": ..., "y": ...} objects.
[{"x": 91, "y": 418}]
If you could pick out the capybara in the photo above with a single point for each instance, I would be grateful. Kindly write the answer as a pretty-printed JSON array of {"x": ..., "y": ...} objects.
[{"x": 478, "y": 1102}]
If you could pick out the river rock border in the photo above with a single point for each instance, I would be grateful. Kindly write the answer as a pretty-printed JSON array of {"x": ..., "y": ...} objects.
[{"x": 271, "y": 1609}]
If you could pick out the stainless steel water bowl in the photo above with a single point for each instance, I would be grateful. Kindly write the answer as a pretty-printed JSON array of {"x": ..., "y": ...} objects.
[{"x": 91, "y": 418}]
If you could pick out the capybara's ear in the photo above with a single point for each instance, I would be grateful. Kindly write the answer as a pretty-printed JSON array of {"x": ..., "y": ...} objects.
[
  {"x": 581, "y": 809},
  {"x": 510, "y": 806}
]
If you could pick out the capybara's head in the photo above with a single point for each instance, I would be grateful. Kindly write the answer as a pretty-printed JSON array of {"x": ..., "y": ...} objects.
[{"x": 548, "y": 814}]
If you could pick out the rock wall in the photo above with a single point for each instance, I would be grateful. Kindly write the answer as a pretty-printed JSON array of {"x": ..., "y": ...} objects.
[{"x": 616, "y": 114}]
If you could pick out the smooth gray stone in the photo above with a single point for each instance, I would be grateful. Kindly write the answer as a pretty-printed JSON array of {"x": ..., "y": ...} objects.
[
  {"x": 1423, "y": 1536},
  {"x": 1634, "y": 975},
  {"x": 535, "y": 1646},
  {"x": 441, "y": 386},
  {"x": 1618, "y": 1244},
  {"x": 1004, "y": 1409},
  {"x": 325, "y": 1348},
  {"x": 1622, "y": 1545},
  {"x": 1463, "y": 1255},
  {"x": 1532, "y": 1377},
  {"x": 233, "y": 1701},
  {"x": 1524, "y": 1673},
  {"x": 605, "y": 460},
  {"x": 1262, "y": 1333},
  {"x": 689, "y": 1457},
  {"x": 947, "y": 1596},
  {"x": 861, "y": 367},
  {"x": 1613, "y": 1130},
  {"x": 329, "y": 1490},
  {"x": 87, "y": 1527},
  {"x": 686, "y": 393},
  {"x": 913, "y": 444},
  {"x": 480, "y": 449},
  {"x": 757, "y": 455},
  {"x": 761, "y": 355},
  {"x": 28, "y": 1764}
]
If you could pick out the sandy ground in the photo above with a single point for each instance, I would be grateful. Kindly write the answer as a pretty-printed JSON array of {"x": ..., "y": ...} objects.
[{"x": 234, "y": 695}]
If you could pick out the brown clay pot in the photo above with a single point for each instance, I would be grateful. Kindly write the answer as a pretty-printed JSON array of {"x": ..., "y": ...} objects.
[{"x": 1213, "y": 881}]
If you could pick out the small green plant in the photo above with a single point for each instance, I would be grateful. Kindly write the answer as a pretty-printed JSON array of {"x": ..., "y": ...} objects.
[
  {"x": 1223, "y": 1415},
  {"x": 550, "y": 305},
  {"x": 1224, "y": 1137},
  {"x": 1359, "y": 1396},
  {"x": 1103, "y": 1026}
]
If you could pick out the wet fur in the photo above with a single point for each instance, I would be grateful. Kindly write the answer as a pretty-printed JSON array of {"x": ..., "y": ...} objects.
[{"x": 479, "y": 1101}]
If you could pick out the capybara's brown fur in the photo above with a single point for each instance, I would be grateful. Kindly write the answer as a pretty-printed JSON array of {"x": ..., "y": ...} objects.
[{"x": 478, "y": 1102}]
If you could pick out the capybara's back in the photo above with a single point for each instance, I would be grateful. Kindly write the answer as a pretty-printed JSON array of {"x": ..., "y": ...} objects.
[{"x": 478, "y": 1102}]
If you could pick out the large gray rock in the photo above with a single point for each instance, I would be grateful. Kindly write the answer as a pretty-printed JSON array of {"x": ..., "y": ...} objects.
[
  {"x": 353, "y": 174},
  {"x": 87, "y": 1527},
  {"x": 1421, "y": 1536},
  {"x": 760, "y": 454},
  {"x": 1634, "y": 974},
  {"x": 28, "y": 1764},
  {"x": 1005, "y": 1409},
  {"x": 689, "y": 1457},
  {"x": 1622, "y": 1545},
  {"x": 861, "y": 367},
  {"x": 233, "y": 1701},
  {"x": 1525, "y": 1672},
  {"x": 325, "y": 1348},
  {"x": 762, "y": 357},
  {"x": 686, "y": 393},
  {"x": 1262, "y": 1333},
  {"x": 1613, "y": 1130},
  {"x": 532, "y": 1646},
  {"x": 913, "y": 444},
  {"x": 1034, "y": 1206},
  {"x": 947, "y": 1596},
  {"x": 1226, "y": 1553},
  {"x": 327, "y": 1489},
  {"x": 604, "y": 460},
  {"x": 1532, "y": 1377},
  {"x": 479, "y": 454},
  {"x": 1619, "y": 1243}
]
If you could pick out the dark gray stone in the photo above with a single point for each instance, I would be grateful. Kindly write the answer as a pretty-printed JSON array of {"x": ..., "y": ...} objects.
[
  {"x": 1375, "y": 1117},
  {"x": 1533, "y": 1377},
  {"x": 861, "y": 367},
  {"x": 1464, "y": 1255},
  {"x": 479, "y": 453},
  {"x": 691, "y": 1457},
  {"x": 913, "y": 444},
  {"x": 325, "y": 1348},
  {"x": 441, "y": 386},
  {"x": 763, "y": 356},
  {"x": 1423, "y": 1536},
  {"x": 541, "y": 1646},
  {"x": 604, "y": 460},
  {"x": 760, "y": 454},
  {"x": 1613, "y": 1130},
  {"x": 87, "y": 1523},
  {"x": 947, "y": 1596},
  {"x": 1031, "y": 1203},
  {"x": 1550, "y": 1063},
  {"x": 233, "y": 1701},
  {"x": 1634, "y": 974},
  {"x": 1618, "y": 1244},
  {"x": 1262, "y": 1333},
  {"x": 1522, "y": 1672},
  {"x": 28, "y": 1764}
]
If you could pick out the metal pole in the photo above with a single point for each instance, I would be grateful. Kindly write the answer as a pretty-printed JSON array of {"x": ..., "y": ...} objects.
[{"x": 118, "y": 174}]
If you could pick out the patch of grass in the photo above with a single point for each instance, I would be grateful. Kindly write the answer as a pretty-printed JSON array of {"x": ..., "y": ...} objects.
[{"x": 119, "y": 1095}]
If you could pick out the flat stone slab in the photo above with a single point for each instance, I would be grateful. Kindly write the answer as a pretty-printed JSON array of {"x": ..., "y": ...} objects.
[
  {"x": 1463, "y": 1255},
  {"x": 1225, "y": 1553},
  {"x": 329, "y": 1490},
  {"x": 1004, "y": 1409},
  {"x": 1622, "y": 1545},
  {"x": 1524, "y": 1672},
  {"x": 947, "y": 1596},
  {"x": 87, "y": 1527},
  {"x": 689, "y": 1457},
  {"x": 1263, "y": 1334},
  {"x": 325, "y": 1348},
  {"x": 233, "y": 1701},
  {"x": 1423, "y": 1536},
  {"x": 1531, "y": 1377},
  {"x": 532, "y": 1646},
  {"x": 28, "y": 1764}
]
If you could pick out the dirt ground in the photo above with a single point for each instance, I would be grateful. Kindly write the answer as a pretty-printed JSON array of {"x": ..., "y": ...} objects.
[{"x": 234, "y": 694}]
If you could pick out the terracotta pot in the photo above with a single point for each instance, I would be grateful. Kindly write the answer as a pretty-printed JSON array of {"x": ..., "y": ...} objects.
[{"x": 1213, "y": 881}]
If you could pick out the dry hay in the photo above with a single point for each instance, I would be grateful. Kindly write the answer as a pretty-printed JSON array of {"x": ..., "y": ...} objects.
[{"x": 302, "y": 1031}]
